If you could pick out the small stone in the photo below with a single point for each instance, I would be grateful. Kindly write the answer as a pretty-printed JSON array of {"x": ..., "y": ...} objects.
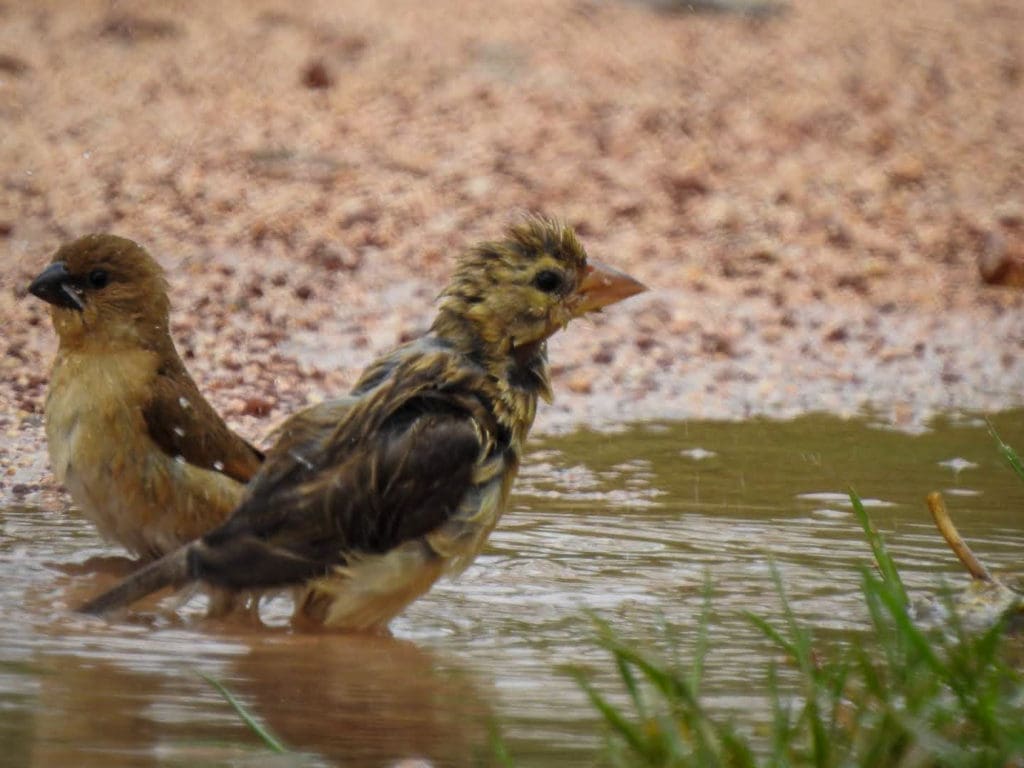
[
  {"x": 12, "y": 65},
  {"x": 132, "y": 28},
  {"x": 682, "y": 186},
  {"x": 906, "y": 171},
  {"x": 716, "y": 344},
  {"x": 888, "y": 354},
  {"x": 837, "y": 334},
  {"x": 1001, "y": 262},
  {"x": 317, "y": 76},
  {"x": 256, "y": 406},
  {"x": 1010, "y": 215},
  {"x": 764, "y": 252},
  {"x": 644, "y": 342},
  {"x": 856, "y": 283},
  {"x": 838, "y": 234},
  {"x": 882, "y": 140},
  {"x": 332, "y": 257},
  {"x": 581, "y": 383}
]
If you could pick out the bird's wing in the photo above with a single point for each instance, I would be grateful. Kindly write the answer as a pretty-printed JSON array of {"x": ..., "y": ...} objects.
[
  {"x": 321, "y": 418},
  {"x": 182, "y": 423},
  {"x": 394, "y": 469}
]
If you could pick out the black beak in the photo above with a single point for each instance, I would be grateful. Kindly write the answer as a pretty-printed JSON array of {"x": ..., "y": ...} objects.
[{"x": 56, "y": 286}]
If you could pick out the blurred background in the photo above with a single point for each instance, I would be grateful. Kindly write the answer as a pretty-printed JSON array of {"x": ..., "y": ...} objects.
[{"x": 809, "y": 187}]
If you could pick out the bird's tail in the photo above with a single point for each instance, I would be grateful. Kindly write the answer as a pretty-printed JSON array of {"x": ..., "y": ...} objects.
[{"x": 171, "y": 569}]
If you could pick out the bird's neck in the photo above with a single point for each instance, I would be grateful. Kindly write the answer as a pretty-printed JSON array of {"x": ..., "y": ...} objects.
[
  {"x": 519, "y": 374},
  {"x": 89, "y": 332},
  {"x": 524, "y": 378}
]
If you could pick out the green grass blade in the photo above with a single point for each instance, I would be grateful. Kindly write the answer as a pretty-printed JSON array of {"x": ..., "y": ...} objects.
[
  {"x": 499, "y": 750},
  {"x": 738, "y": 753},
  {"x": 872, "y": 587},
  {"x": 782, "y": 718},
  {"x": 631, "y": 733},
  {"x": 886, "y": 565},
  {"x": 800, "y": 640},
  {"x": 607, "y": 639},
  {"x": 629, "y": 680},
  {"x": 706, "y": 735},
  {"x": 271, "y": 741},
  {"x": 1008, "y": 453},
  {"x": 836, "y": 688},
  {"x": 700, "y": 650},
  {"x": 910, "y": 633},
  {"x": 771, "y": 633},
  {"x": 670, "y": 686}
]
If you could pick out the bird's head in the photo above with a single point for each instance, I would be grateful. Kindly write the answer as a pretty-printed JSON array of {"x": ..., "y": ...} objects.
[
  {"x": 516, "y": 292},
  {"x": 106, "y": 290}
]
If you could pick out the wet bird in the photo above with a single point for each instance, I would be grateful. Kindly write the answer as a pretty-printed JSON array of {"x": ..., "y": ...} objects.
[
  {"x": 141, "y": 452},
  {"x": 363, "y": 503}
]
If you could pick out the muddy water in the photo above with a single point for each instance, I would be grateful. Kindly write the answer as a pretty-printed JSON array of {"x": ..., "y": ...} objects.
[{"x": 626, "y": 524}]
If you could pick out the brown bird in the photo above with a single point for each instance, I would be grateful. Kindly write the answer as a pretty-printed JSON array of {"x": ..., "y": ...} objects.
[
  {"x": 142, "y": 454},
  {"x": 364, "y": 503}
]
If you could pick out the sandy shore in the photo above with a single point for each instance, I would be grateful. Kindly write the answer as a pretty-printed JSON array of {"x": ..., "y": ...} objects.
[{"x": 807, "y": 193}]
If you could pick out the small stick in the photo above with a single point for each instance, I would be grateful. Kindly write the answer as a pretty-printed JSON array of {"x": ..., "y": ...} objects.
[{"x": 952, "y": 536}]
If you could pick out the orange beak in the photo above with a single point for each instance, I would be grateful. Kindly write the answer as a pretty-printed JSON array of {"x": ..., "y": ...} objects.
[{"x": 602, "y": 285}]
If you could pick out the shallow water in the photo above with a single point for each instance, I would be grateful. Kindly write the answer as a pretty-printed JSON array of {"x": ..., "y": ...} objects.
[{"x": 626, "y": 524}]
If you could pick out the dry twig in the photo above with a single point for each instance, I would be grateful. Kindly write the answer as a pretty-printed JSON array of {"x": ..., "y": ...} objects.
[{"x": 952, "y": 536}]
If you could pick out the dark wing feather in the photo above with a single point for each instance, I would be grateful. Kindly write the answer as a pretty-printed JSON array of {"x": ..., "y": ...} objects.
[
  {"x": 320, "y": 419},
  {"x": 315, "y": 447},
  {"x": 182, "y": 423},
  {"x": 395, "y": 465},
  {"x": 402, "y": 485}
]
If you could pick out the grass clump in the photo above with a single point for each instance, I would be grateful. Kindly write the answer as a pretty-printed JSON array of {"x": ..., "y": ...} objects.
[{"x": 901, "y": 695}]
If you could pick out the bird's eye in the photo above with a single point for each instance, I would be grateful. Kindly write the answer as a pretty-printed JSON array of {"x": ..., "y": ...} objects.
[
  {"x": 98, "y": 278},
  {"x": 548, "y": 280}
]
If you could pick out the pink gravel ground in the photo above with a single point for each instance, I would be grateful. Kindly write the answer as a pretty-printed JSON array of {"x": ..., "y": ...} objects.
[{"x": 807, "y": 194}]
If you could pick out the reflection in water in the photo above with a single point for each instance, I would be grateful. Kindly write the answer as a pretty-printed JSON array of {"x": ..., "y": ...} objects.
[
  {"x": 104, "y": 706},
  {"x": 629, "y": 525},
  {"x": 351, "y": 700},
  {"x": 362, "y": 700}
]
